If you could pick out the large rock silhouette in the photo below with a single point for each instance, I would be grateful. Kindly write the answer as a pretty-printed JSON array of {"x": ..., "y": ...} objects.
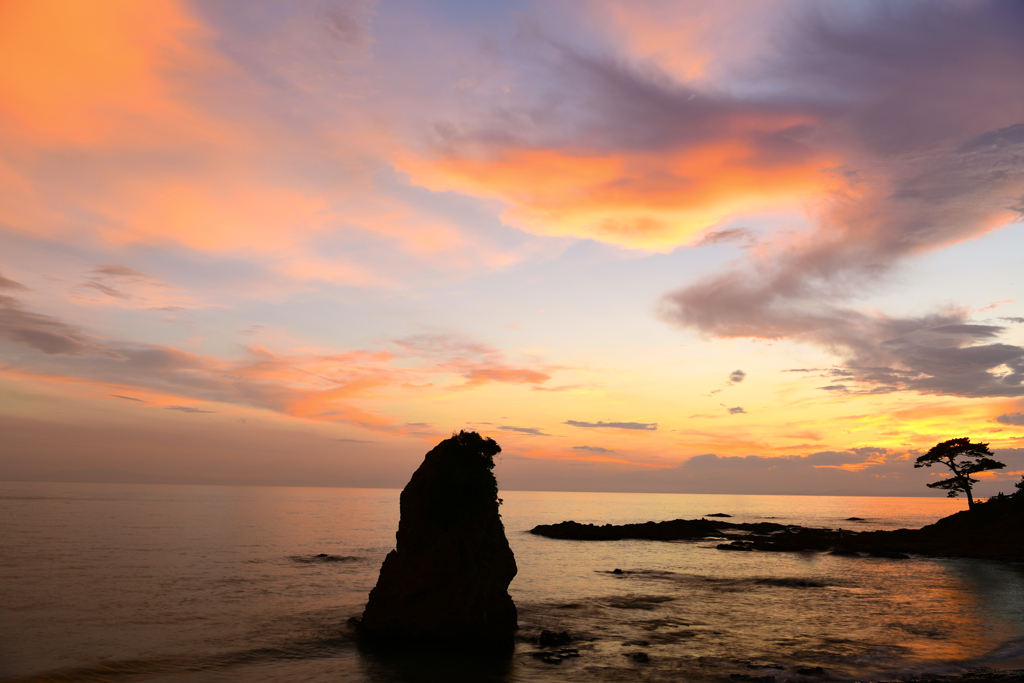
[{"x": 448, "y": 577}]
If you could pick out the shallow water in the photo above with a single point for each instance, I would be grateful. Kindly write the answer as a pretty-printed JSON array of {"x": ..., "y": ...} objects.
[{"x": 104, "y": 582}]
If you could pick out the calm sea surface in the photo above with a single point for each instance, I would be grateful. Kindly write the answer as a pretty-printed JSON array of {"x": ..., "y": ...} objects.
[{"x": 111, "y": 582}]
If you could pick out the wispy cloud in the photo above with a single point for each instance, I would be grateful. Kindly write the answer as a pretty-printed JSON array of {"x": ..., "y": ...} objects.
[
  {"x": 593, "y": 449},
  {"x": 189, "y": 409},
  {"x": 478, "y": 363},
  {"x": 533, "y": 431},
  {"x": 644, "y": 426},
  {"x": 122, "y": 282},
  {"x": 21, "y": 326},
  {"x": 744, "y": 237},
  {"x": 323, "y": 386},
  {"x": 6, "y": 283}
]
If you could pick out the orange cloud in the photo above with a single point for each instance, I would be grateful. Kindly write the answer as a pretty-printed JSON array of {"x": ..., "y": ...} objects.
[
  {"x": 643, "y": 200},
  {"x": 121, "y": 123},
  {"x": 83, "y": 73},
  {"x": 505, "y": 374}
]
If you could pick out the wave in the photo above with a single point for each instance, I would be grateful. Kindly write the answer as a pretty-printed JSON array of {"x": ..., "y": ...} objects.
[
  {"x": 184, "y": 666},
  {"x": 724, "y": 584}
]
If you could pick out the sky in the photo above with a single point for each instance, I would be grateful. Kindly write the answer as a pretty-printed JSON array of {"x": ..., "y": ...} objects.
[{"x": 765, "y": 247}]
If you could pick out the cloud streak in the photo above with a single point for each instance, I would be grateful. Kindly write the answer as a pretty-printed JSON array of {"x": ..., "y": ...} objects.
[
  {"x": 743, "y": 237},
  {"x": 6, "y": 283},
  {"x": 189, "y": 409},
  {"x": 476, "y": 362},
  {"x": 530, "y": 431},
  {"x": 21, "y": 326},
  {"x": 114, "y": 280},
  {"x": 593, "y": 449},
  {"x": 642, "y": 426},
  {"x": 324, "y": 386}
]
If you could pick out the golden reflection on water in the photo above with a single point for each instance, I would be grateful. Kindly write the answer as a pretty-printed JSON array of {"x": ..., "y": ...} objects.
[{"x": 849, "y": 615}]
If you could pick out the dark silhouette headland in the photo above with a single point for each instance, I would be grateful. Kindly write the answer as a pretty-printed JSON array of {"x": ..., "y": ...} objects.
[
  {"x": 993, "y": 529},
  {"x": 447, "y": 579}
]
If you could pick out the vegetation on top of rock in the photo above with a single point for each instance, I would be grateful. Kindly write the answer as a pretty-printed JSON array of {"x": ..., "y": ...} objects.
[
  {"x": 464, "y": 486},
  {"x": 964, "y": 459}
]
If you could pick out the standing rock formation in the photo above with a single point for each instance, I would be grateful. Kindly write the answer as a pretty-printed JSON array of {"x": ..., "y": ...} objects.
[{"x": 447, "y": 579}]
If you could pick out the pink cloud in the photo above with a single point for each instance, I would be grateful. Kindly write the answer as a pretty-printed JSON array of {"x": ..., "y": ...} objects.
[
  {"x": 174, "y": 128},
  {"x": 312, "y": 384}
]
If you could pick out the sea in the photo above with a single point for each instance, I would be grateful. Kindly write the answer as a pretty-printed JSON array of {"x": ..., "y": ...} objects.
[{"x": 118, "y": 582}]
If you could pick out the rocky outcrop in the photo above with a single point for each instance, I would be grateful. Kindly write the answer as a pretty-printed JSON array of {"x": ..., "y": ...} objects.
[
  {"x": 993, "y": 529},
  {"x": 673, "y": 530},
  {"x": 447, "y": 579}
]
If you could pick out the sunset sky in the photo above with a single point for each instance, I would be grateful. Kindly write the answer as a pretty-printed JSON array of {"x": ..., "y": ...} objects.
[{"x": 750, "y": 247}]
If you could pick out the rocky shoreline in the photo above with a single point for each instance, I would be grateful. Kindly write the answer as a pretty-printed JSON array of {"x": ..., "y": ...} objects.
[
  {"x": 992, "y": 530},
  {"x": 552, "y": 650}
]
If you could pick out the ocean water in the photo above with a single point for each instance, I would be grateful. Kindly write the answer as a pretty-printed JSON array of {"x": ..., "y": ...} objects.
[{"x": 110, "y": 582}]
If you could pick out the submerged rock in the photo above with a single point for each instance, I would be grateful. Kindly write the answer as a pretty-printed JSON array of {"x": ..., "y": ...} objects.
[
  {"x": 448, "y": 577},
  {"x": 323, "y": 557},
  {"x": 735, "y": 545},
  {"x": 554, "y": 638},
  {"x": 556, "y": 656}
]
